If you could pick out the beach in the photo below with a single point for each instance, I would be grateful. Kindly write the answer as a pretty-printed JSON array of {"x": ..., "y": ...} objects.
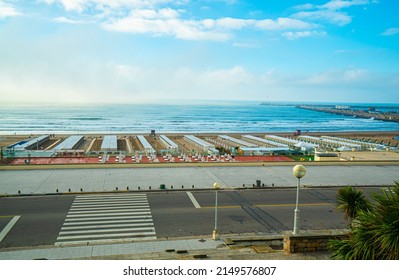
[{"x": 130, "y": 150}]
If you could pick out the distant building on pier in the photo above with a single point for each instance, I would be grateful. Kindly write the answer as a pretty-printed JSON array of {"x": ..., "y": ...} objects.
[{"x": 342, "y": 107}]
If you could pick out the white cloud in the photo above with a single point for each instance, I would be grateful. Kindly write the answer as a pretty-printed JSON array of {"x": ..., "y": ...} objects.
[
  {"x": 303, "y": 34},
  {"x": 338, "y": 4},
  {"x": 169, "y": 22},
  {"x": 390, "y": 32},
  {"x": 331, "y": 16},
  {"x": 67, "y": 20},
  {"x": 166, "y": 22},
  {"x": 6, "y": 10},
  {"x": 229, "y": 23},
  {"x": 82, "y": 5},
  {"x": 283, "y": 24},
  {"x": 329, "y": 12},
  {"x": 307, "y": 6}
]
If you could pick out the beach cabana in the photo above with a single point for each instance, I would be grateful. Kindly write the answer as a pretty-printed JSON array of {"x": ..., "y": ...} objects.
[{"x": 109, "y": 144}]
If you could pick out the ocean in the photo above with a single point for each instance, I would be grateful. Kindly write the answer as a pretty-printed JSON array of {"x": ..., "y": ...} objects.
[{"x": 194, "y": 118}]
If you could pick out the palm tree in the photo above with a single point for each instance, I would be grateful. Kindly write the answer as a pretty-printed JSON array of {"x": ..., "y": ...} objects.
[
  {"x": 374, "y": 234},
  {"x": 351, "y": 202}
]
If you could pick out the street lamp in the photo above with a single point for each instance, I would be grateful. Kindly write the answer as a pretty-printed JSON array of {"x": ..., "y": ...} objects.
[
  {"x": 215, "y": 232},
  {"x": 298, "y": 171}
]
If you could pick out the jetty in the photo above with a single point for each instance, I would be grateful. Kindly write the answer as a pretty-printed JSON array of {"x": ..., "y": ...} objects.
[{"x": 348, "y": 111}]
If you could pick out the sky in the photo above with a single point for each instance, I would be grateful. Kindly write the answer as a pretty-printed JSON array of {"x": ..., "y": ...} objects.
[{"x": 149, "y": 51}]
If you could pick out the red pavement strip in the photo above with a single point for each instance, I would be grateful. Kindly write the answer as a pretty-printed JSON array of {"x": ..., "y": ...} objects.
[{"x": 83, "y": 160}]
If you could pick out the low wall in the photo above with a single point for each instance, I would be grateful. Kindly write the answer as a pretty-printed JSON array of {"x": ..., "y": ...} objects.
[{"x": 311, "y": 241}]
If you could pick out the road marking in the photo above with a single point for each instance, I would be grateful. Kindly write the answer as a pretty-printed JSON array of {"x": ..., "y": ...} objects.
[
  {"x": 108, "y": 205},
  {"x": 113, "y": 221},
  {"x": 108, "y": 202},
  {"x": 102, "y": 219},
  {"x": 107, "y": 218},
  {"x": 115, "y": 196},
  {"x": 105, "y": 230},
  {"x": 272, "y": 205},
  {"x": 107, "y": 226},
  {"x": 8, "y": 227},
  {"x": 193, "y": 200},
  {"x": 88, "y": 211},
  {"x": 131, "y": 213}
]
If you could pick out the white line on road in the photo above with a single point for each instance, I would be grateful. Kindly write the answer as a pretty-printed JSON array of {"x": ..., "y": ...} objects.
[
  {"x": 106, "y": 206},
  {"x": 89, "y": 211},
  {"x": 193, "y": 200},
  {"x": 113, "y": 218},
  {"x": 109, "y": 220},
  {"x": 131, "y": 213},
  {"x": 8, "y": 227},
  {"x": 94, "y": 231},
  {"x": 107, "y": 226},
  {"x": 110, "y": 196},
  {"x": 109, "y": 202}
]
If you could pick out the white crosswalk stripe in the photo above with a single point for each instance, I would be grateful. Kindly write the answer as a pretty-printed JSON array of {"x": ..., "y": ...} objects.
[{"x": 107, "y": 218}]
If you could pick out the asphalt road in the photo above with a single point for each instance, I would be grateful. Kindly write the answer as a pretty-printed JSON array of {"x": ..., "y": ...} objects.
[{"x": 174, "y": 213}]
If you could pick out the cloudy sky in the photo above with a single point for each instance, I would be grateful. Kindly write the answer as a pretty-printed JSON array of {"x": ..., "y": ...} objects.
[{"x": 162, "y": 50}]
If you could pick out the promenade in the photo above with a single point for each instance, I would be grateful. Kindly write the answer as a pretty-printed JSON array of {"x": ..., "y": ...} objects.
[{"x": 14, "y": 182}]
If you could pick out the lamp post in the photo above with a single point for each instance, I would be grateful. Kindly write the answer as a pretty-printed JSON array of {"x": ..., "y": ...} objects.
[
  {"x": 215, "y": 232},
  {"x": 298, "y": 171}
]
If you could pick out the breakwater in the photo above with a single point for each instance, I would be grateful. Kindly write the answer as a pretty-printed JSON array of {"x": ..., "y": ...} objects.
[{"x": 377, "y": 115}]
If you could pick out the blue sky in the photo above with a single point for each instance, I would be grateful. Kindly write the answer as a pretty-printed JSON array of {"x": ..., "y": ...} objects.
[{"x": 114, "y": 51}]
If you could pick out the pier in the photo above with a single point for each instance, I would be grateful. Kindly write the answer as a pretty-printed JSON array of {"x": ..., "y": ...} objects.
[{"x": 344, "y": 111}]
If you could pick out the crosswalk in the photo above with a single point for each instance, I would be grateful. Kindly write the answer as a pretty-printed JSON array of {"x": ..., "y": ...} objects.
[{"x": 107, "y": 218}]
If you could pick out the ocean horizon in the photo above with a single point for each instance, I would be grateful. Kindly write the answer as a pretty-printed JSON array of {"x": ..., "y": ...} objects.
[{"x": 204, "y": 117}]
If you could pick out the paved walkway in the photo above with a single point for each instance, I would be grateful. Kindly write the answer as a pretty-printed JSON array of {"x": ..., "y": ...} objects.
[
  {"x": 109, "y": 251},
  {"x": 88, "y": 180}
]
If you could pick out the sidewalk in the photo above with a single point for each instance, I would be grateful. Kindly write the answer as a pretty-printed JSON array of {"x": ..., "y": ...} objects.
[
  {"x": 108, "y": 251},
  {"x": 184, "y": 249}
]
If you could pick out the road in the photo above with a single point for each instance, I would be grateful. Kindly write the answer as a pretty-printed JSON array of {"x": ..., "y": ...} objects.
[{"x": 126, "y": 217}]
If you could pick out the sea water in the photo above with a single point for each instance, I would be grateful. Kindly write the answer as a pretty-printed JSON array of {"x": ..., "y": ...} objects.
[{"x": 194, "y": 118}]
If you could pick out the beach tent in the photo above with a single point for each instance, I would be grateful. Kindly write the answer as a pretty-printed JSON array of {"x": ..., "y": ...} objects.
[{"x": 305, "y": 146}]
